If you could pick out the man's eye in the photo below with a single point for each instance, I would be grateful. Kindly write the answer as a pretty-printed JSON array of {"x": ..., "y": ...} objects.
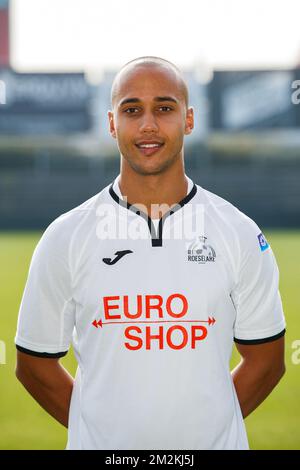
[
  {"x": 130, "y": 110},
  {"x": 136, "y": 110}
]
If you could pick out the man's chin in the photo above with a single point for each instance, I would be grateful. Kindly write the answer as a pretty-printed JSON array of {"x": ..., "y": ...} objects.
[
  {"x": 150, "y": 165},
  {"x": 150, "y": 168}
]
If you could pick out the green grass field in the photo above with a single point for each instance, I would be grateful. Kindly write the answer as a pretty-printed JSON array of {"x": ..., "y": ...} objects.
[{"x": 24, "y": 425}]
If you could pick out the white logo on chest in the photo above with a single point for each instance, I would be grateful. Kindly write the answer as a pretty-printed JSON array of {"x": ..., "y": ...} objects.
[{"x": 200, "y": 252}]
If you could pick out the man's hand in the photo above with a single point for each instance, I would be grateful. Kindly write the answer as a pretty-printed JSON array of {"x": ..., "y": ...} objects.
[
  {"x": 48, "y": 382},
  {"x": 261, "y": 368}
]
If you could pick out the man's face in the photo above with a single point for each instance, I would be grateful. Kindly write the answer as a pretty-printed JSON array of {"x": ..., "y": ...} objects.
[{"x": 150, "y": 118}]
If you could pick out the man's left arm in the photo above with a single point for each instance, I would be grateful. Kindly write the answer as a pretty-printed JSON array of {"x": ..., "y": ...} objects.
[{"x": 261, "y": 368}]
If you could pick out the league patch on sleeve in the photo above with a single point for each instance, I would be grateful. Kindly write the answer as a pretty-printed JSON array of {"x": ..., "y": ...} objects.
[{"x": 264, "y": 245}]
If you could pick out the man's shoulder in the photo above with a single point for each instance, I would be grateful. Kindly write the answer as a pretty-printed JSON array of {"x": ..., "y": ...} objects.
[
  {"x": 83, "y": 210},
  {"x": 76, "y": 220},
  {"x": 219, "y": 203},
  {"x": 226, "y": 213},
  {"x": 239, "y": 233}
]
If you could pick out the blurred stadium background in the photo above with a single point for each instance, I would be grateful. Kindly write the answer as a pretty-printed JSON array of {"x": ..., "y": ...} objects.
[{"x": 56, "y": 152}]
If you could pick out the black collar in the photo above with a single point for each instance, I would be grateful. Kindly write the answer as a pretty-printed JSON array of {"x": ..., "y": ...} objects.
[{"x": 156, "y": 237}]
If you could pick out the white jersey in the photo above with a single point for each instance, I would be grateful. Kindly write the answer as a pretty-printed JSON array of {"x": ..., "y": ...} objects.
[{"x": 152, "y": 312}]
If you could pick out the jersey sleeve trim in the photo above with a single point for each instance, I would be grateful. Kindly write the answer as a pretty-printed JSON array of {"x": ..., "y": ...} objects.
[
  {"x": 41, "y": 354},
  {"x": 260, "y": 341}
]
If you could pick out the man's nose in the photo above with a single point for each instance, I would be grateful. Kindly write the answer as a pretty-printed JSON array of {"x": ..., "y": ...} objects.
[{"x": 148, "y": 123}]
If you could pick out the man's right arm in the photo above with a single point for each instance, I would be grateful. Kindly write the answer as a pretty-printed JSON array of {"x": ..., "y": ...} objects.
[{"x": 48, "y": 382}]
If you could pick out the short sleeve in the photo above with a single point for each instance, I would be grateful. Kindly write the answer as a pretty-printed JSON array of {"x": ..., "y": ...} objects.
[
  {"x": 47, "y": 310},
  {"x": 259, "y": 312}
]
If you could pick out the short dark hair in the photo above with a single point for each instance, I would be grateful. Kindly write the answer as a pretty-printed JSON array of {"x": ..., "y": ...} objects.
[{"x": 148, "y": 61}]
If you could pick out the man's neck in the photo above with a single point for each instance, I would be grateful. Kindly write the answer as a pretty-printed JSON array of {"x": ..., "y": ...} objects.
[{"x": 164, "y": 189}]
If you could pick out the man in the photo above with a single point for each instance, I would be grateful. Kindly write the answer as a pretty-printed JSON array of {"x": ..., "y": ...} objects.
[{"x": 151, "y": 306}]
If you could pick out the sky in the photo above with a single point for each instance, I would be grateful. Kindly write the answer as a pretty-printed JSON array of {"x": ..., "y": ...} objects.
[{"x": 97, "y": 35}]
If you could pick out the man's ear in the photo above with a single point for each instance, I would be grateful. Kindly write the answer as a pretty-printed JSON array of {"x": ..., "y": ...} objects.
[
  {"x": 112, "y": 129},
  {"x": 189, "y": 121}
]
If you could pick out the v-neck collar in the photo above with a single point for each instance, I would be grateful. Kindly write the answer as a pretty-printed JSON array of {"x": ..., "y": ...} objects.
[{"x": 156, "y": 235}]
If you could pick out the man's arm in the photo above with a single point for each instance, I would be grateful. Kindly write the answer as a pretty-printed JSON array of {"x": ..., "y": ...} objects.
[
  {"x": 261, "y": 368},
  {"x": 48, "y": 382}
]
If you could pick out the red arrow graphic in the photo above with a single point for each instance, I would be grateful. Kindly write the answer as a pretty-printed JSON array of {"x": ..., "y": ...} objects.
[{"x": 210, "y": 321}]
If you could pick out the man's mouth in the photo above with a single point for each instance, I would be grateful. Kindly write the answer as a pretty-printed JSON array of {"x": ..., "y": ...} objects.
[{"x": 149, "y": 148}]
